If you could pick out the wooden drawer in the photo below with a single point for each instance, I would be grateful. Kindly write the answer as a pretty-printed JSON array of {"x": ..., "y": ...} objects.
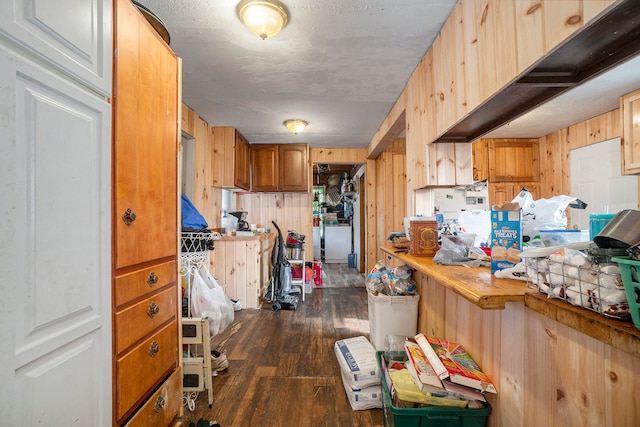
[
  {"x": 138, "y": 371},
  {"x": 162, "y": 406},
  {"x": 146, "y": 315},
  {"x": 134, "y": 285}
]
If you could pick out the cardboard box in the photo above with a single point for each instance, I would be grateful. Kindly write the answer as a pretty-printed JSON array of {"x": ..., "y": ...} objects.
[
  {"x": 424, "y": 238},
  {"x": 506, "y": 236}
]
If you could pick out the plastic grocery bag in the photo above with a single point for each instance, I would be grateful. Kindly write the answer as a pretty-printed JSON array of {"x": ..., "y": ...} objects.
[
  {"x": 224, "y": 303},
  {"x": 209, "y": 301},
  {"x": 542, "y": 214}
]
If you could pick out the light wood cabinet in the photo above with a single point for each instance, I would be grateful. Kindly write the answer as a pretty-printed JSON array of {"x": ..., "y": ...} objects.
[
  {"x": 145, "y": 218},
  {"x": 630, "y": 135},
  {"x": 449, "y": 164},
  {"x": 231, "y": 159},
  {"x": 514, "y": 160},
  {"x": 480, "y": 159},
  {"x": 280, "y": 167},
  {"x": 501, "y": 192}
]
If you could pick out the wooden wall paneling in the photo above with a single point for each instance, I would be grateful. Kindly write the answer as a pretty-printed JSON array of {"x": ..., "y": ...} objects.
[
  {"x": 505, "y": 41},
  {"x": 418, "y": 122},
  {"x": 621, "y": 381},
  {"x": 561, "y": 19},
  {"x": 591, "y": 8},
  {"x": 487, "y": 58},
  {"x": 372, "y": 249},
  {"x": 188, "y": 120},
  {"x": 390, "y": 129},
  {"x": 252, "y": 272},
  {"x": 584, "y": 399},
  {"x": 339, "y": 155},
  {"x": 399, "y": 191},
  {"x": 603, "y": 127},
  {"x": 441, "y": 74},
  {"x": 449, "y": 82},
  {"x": 458, "y": 85},
  {"x": 382, "y": 191},
  {"x": 239, "y": 267},
  {"x": 510, "y": 363},
  {"x": 542, "y": 391},
  {"x": 471, "y": 56},
  {"x": 529, "y": 32},
  {"x": 576, "y": 135}
]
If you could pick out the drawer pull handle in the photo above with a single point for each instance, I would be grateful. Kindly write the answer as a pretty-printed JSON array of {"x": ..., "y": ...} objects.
[
  {"x": 152, "y": 279},
  {"x": 154, "y": 349},
  {"x": 161, "y": 403},
  {"x": 128, "y": 217},
  {"x": 153, "y": 309}
]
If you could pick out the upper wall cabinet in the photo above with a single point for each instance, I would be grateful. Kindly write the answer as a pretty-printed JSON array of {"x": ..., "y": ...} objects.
[
  {"x": 80, "y": 46},
  {"x": 280, "y": 168},
  {"x": 231, "y": 159},
  {"x": 630, "y": 135},
  {"x": 514, "y": 160},
  {"x": 448, "y": 164}
]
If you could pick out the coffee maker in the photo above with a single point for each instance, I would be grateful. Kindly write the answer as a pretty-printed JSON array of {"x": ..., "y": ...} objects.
[{"x": 243, "y": 225}]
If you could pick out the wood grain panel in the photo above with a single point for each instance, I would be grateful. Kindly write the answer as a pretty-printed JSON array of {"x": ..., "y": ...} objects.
[
  {"x": 161, "y": 407},
  {"x": 561, "y": 19},
  {"x": 471, "y": 57},
  {"x": 505, "y": 42},
  {"x": 487, "y": 58},
  {"x": 132, "y": 286},
  {"x": 529, "y": 32},
  {"x": 422, "y": 122},
  {"x": 188, "y": 120}
]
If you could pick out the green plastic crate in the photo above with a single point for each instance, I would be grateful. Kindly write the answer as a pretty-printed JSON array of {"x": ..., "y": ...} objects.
[
  {"x": 429, "y": 416},
  {"x": 630, "y": 272}
]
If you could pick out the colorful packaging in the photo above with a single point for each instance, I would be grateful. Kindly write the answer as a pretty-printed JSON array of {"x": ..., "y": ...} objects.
[{"x": 506, "y": 236}]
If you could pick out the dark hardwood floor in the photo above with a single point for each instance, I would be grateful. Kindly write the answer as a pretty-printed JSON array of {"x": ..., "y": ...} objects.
[{"x": 283, "y": 370}]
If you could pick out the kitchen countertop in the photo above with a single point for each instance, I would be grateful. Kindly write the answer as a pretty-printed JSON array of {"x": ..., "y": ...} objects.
[
  {"x": 486, "y": 291},
  {"x": 477, "y": 285}
]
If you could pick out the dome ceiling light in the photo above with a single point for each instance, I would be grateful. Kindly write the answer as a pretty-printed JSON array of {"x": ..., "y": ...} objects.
[
  {"x": 264, "y": 18},
  {"x": 295, "y": 125}
]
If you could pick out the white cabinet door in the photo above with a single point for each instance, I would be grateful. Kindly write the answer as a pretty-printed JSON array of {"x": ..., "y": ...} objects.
[
  {"x": 55, "y": 250},
  {"x": 73, "y": 35}
]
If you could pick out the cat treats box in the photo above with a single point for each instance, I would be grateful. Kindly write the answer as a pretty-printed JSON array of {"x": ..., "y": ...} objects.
[{"x": 506, "y": 236}]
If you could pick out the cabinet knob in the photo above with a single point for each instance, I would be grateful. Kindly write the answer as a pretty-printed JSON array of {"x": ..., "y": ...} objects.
[
  {"x": 153, "y": 309},
  {"x": 161, "y": 403},
  {"x": 154, "y": 348},
  {"x": 128, "y": 217},
  {"x": 152, "y": 279}
]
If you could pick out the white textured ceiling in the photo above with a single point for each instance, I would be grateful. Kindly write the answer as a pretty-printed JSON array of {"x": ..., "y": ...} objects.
[{"x": 339, "y": 64}]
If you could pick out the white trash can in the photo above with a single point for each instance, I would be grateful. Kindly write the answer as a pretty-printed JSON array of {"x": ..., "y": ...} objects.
[{"x": 392, "y": 315}]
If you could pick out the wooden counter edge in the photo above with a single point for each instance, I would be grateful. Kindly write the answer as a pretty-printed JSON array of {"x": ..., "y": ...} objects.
[
  {"x": 618, "y": 334},
  {"x": 484, "y": 301}
]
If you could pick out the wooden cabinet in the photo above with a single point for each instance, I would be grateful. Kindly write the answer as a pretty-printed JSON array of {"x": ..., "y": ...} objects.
[
  {"x": 513, "y": 160},
  {"x": 501, "y": 192},
  {"x": 280, "y": 167},
  {"x": 231, "y": 159},
  {"x": 449, "y": 164},
  {"x": 145, "y": 218},
  {"x": 242, "y": 162},
  {"x": 630, "y": 135},
  {"x": 480, "y": 159}
]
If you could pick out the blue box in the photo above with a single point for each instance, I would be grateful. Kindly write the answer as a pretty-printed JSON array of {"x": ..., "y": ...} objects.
[{"x": 506, "y": 236}]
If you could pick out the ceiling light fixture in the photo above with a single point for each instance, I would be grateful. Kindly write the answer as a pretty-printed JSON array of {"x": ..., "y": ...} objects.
[
  {"x": 295, "y": 125},
  {"x": 264, "y": 18}
]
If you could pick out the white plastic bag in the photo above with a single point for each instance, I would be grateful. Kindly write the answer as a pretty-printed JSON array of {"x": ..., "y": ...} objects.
[
  {"x": 203, "y": 303},
  {"x": 224, "y": 303},
  {"x": 543, "y": 213}
]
